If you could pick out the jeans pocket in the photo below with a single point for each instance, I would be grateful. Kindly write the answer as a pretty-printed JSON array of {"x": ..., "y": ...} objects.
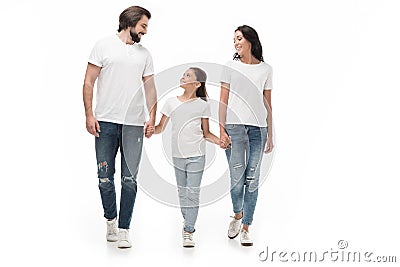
[{"x": 230, "y": 126}]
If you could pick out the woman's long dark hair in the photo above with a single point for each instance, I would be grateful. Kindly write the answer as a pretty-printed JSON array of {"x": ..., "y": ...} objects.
[
  {"x": 201, "y": 77},
  {"x": 252, "y": 36}
]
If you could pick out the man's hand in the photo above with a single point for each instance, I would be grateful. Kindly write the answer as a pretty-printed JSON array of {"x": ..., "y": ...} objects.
[
  {"x": 92, "y": 126},
  {"x": 149, "y": 129}
]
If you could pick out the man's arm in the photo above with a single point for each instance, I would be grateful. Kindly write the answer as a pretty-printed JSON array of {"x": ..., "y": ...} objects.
[
  {"x": 92, "y": 72},
  {"x": 151, "y": 103}
]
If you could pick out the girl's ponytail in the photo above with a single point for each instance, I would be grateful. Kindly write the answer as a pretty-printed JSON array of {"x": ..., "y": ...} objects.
[{"x": 201, "y": 77}]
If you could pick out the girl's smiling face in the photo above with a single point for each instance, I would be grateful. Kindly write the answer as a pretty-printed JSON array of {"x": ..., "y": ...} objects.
[{"x": 189, "y": 79}]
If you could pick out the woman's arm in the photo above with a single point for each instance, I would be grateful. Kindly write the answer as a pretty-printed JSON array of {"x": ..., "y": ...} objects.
[
  {"x": 161, "y": 125},
  {"x": 267, "y": 103},
  {"x": 205, "y": 126},
  {"x": 223, "y": 104}
]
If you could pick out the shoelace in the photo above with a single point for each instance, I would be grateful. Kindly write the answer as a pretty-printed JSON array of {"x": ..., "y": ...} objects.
[
  {"x": 123, "y": 235},
  {"x": 234, "y": 225},
  {"x": 188, "y": 236},
  {"x": 245, "y": 235},
  {"x": 112, "y": 229}
]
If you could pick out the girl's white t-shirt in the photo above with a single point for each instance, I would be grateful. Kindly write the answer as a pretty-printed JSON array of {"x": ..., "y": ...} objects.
[
  {"x": 247, "y": 83},
  {"x": 120, "y": 97},
  {"x": 187, "y": 135}
]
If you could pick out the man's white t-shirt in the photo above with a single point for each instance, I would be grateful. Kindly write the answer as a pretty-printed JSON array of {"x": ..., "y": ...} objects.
[
  {"x": 120, "y": 96},
  {"x": 247, "y": 83},
  {"x": 187, "y": 134}
]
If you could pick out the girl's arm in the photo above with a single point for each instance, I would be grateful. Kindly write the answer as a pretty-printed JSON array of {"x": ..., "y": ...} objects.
[
  {"x": 206, "y": 132},
  {"x": 223, "y": 104},
  {"x": 267, "y": 103},
  {"x": 161, "y": 125}
]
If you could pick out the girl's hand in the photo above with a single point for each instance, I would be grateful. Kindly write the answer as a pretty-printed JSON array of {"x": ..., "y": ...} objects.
[
  {"x": 224, "y": 140},
  {"x": 149, "y": 129},
  {"x": 269, "y": 145}
]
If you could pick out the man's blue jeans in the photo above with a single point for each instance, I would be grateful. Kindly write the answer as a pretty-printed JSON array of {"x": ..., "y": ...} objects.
[
  {"x": 129, "y": 139},
  {"x": 188, "y": 172},
  {"x": 244, "y": 159}
]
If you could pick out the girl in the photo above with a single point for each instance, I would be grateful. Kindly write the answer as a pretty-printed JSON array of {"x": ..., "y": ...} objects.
[
  {"x": 189, "y": 114},
  {"x": 246, "y": 82}
]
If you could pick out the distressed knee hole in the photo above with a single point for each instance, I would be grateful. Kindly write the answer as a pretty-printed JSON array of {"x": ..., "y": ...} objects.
[
  {"x": 128, "y": 182},
  {"x": 104, "y": 180},
  {"x": 102, "y": 166},
  {"x": 237, "y": 165},
  {"x": 251, "y": 175},
  {"x": 128, "y": 179}
]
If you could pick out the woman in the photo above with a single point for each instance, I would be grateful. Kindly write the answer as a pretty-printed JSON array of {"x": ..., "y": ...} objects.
[{"x": 245, "y": 117}]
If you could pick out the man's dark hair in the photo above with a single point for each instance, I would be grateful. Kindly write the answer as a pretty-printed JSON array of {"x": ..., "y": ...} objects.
[{"x": 130, "y": 17}]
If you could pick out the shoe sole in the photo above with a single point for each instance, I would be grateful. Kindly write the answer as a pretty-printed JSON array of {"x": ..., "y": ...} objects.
[
  {"x": 124, "y": 247},
  {"x": 232, "y": 237},
  {"x": 115, "y": 239},
  {"x": 247, "y": 244},
  {"x": 188, "y": 246}
]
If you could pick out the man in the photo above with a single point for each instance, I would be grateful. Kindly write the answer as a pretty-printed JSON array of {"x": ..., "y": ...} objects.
[{"x": 121, "y": 67}]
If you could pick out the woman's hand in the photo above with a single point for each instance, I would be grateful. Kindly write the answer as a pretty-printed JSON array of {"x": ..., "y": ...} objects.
[
  {"x": 269, "y": 145},
  {"x": 225, "y": 140}
]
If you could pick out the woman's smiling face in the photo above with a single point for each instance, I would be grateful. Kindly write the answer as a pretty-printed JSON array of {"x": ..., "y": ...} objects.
[{"x": 241, "y": 45}]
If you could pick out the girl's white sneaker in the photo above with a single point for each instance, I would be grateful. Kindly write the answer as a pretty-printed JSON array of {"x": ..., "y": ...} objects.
[{"x": 188, "y": 241}]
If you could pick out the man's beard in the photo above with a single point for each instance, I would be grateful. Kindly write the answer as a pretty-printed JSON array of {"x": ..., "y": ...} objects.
[{"x": 135, "y": 37}]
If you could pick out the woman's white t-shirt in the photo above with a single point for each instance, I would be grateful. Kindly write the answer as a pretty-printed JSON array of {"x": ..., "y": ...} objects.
[
  {"x": 247, "y": 83},
  {"x": 187, "y": 134}
]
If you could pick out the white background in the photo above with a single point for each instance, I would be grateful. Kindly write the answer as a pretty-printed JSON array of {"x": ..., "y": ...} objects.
[{"x": 336, "y": 108}]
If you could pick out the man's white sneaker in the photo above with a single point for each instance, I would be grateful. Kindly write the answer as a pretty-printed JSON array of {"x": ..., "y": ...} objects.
[
  {"x": 188, "y": 241},
  {"x": 245, "y": 238},
  {"x": 124, "y": 240},
  {"x": 112, "y": 230},
  {"x": 234, "y": 228}
]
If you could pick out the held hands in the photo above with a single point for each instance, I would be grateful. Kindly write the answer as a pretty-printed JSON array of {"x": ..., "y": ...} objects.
[
  {"x": 92, "y": 125},
  {"x": 224, "y": 140},
  {"x": 149, "y": 129}
]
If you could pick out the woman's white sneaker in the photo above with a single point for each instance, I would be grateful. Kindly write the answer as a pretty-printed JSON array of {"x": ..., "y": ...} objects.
[
  {"x": 188, "y": 241},
  {"x": 112, "y": 230},
  {"x": 234, "y": 228},
  {"x": 124, "y": 240},
  {"x": 245, "y": 238}
]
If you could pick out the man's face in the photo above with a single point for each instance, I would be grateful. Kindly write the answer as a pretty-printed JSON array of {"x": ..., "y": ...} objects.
[{"x": 140, "y": 29}]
